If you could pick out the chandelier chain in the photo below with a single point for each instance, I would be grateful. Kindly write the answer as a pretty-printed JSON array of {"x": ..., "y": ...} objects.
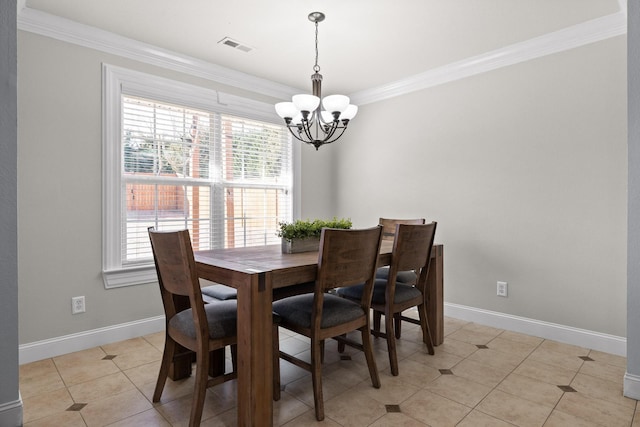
[{"x": 316, "y": 67}]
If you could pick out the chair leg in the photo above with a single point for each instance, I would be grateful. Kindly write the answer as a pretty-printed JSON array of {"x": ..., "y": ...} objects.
[
  {"x": 377, "y": 315},
  {"x": 167, "y": 358},
  {"x": 341, "y": 344},
  {"x": 200, "y": 388},
  {"x": 368, "y": 353},
  {"x": 316, "y": 377},
  {"x": 426, "y": 332},
  {"x": 389, "y": 321},
  {"x": 276, "y": 363},
  {"x": 234, "y": 358},
  {"x": 397, "y": 317},
  {"x": 217, "y": 362}
]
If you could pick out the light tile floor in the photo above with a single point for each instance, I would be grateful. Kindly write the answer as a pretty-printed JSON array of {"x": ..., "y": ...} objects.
[{"x": 479, "y": 376}]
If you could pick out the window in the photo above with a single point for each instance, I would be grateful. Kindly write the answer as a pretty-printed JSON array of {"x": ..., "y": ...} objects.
[{"x": 178, "y": 157}]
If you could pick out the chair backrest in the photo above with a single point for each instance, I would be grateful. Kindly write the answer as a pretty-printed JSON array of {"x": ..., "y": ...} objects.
[
  {"x": 177, "y": 275},
  {"x": 412, "y": 250},
  {"x": 347, "y": 257},
  {"x": 389, "y": 226}
]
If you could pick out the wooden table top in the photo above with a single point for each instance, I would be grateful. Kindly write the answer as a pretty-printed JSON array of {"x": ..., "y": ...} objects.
[{"x": 288, "y": 269}]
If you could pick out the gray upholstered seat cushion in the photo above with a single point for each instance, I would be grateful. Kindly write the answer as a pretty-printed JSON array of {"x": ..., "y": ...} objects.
[
  {"x": 402, "y": 276},
  {"x": 404, "y": 292},
  {"x": 221, "y": 317},
  {"x": 209, "y": 300},
  {"x": 221, "y": 292},
  {"x": 335, "y": 310}
]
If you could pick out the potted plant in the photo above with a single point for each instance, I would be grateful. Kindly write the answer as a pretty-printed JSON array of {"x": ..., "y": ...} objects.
[{"x": 304, "y": 235}]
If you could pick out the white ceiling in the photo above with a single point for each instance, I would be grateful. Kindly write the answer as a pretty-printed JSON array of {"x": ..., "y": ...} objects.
[{"x": 362, "y": 43}]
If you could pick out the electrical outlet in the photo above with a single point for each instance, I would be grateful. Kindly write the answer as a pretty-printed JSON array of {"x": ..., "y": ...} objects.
[
  {"x": 502, "y": 289},
  {"x": 77, "y": 305}
]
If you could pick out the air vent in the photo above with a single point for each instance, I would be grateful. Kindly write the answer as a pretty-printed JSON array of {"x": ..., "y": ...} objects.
[{"x": 228, "y": 41}]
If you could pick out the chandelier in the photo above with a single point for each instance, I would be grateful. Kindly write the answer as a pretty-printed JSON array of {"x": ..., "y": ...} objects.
[{"x": 305, "y": 118}]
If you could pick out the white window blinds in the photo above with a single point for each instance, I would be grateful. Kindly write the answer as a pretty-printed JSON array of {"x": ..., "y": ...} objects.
[{"x": 226, "y": 179}]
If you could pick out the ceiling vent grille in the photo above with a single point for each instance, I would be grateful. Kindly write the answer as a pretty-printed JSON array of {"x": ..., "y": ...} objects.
[{"x": 228, "y": 41}]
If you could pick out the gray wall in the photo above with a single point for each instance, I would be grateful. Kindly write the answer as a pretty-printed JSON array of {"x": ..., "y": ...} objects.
[
  {"x": 632, "y": 380},
  {"x": 9, "y": 396},
  {"x": 318, "y": 187},
  {"x": 524, "y": 168}
]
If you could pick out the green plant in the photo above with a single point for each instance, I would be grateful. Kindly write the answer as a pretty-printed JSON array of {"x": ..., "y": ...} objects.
[{"x": 305, "y": 229}]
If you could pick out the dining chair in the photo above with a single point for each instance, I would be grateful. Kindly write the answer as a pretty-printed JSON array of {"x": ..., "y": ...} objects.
[
  {"x": 188, "y": 321},
  {"x": 345, "y": 258},
  {"x": 411, "y": 251},
  {"x": 409, "y": 277}
]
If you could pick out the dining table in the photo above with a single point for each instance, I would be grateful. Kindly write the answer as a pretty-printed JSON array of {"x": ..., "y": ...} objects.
[{"x": 255, "y": 272}]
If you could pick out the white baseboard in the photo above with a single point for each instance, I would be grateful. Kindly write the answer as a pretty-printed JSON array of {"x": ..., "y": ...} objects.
[
  {"x": 39, "y": 350},
  {"x": 11, "y": 413},
  {"x": 631, "y": 386},
  {"x": 552, "y": 331}
]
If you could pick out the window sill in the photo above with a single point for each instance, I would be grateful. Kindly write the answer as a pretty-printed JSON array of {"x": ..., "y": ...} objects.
[{"x": 129, "y": 276}]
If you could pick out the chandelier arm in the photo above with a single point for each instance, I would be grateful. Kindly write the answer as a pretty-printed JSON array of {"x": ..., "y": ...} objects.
[
  {"x": 331, "y": 130},
  {"x": 329, "y": 141},
  {"x": 317, "y": 124},
  {"x": 307, "y": 128},
  {"x": 317, "y": 143},
  {"x": 296, "y": 136}
]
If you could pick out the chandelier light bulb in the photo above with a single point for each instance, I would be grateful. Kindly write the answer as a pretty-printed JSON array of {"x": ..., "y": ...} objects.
[
  {"x": 333, "y": 103},
  {"x": 306, "y": 102},
  {"x": 327, "y": 117},
  {"x": 297, "y": 119},
  {"x": 349, "y": 113},
  {"x": 286, "y": 109}
]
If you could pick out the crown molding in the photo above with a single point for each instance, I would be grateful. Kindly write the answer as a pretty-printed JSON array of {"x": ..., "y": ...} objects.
[
  {"x": 69, "y": 31},
  {"x": 568, "y": 38},
  {"x": 554, "y": 42}
]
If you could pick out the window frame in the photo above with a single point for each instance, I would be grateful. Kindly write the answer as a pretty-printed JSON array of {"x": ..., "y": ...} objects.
[{"x": 118, "y": 81}]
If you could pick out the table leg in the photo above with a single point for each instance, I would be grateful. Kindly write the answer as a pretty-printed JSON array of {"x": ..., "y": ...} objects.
[
  {"x": 255, "y": 367},
  {"x": 435, "y": 302}
]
